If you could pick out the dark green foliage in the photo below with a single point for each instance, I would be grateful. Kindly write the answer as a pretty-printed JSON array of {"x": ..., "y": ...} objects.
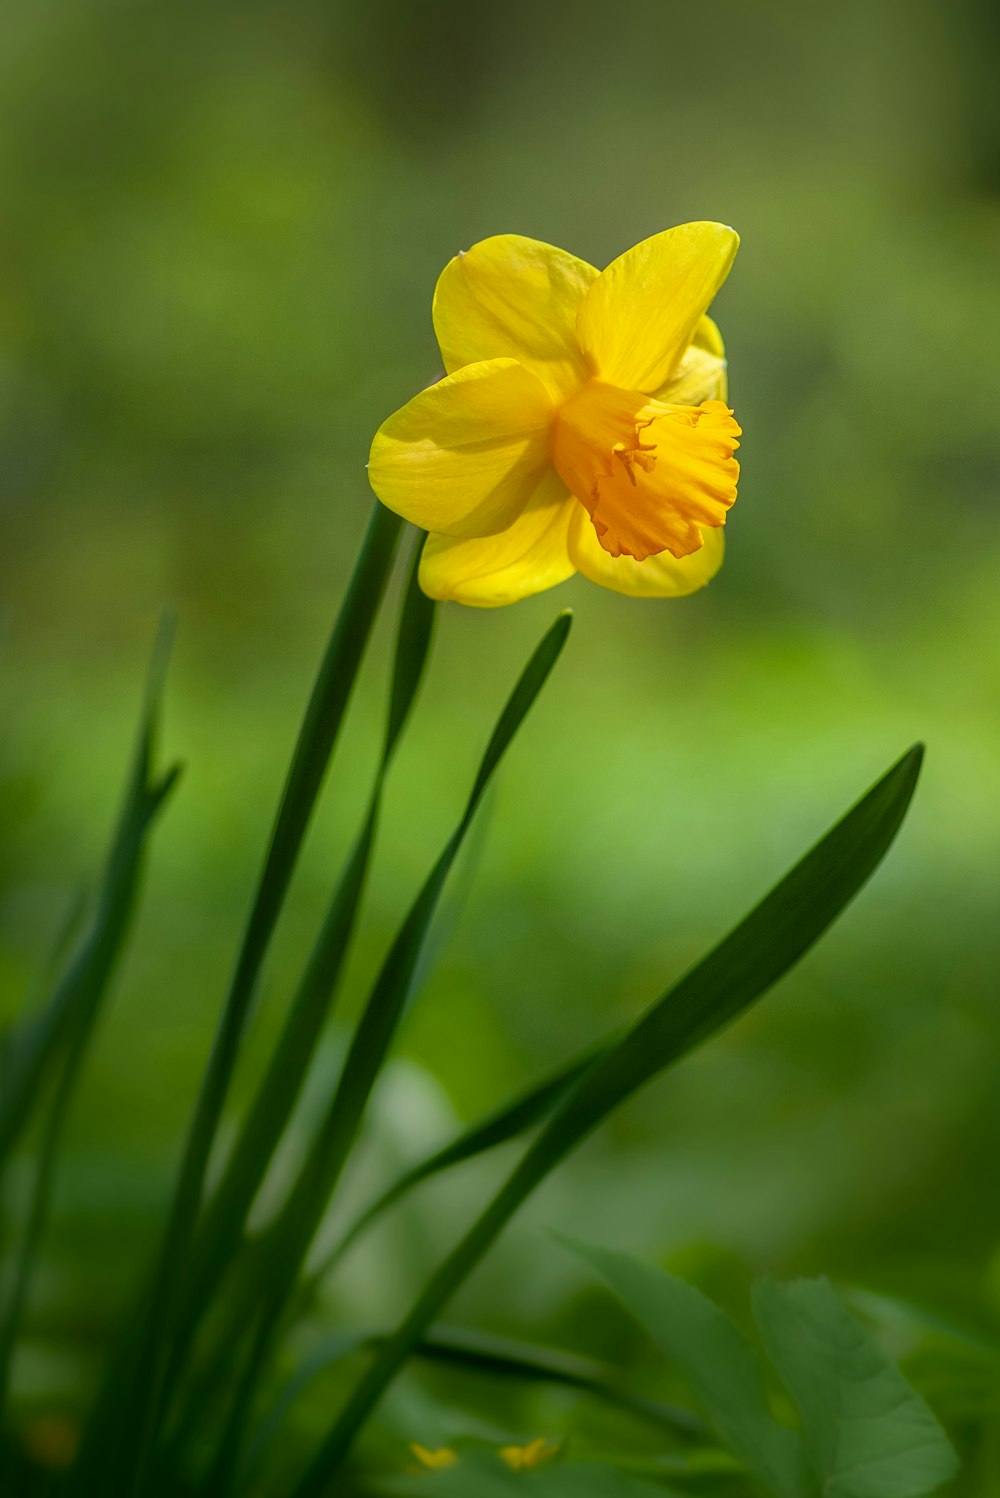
[
  {"x": 221, "y": 1230},
  {"x": 135, "y": 1390},
  {"x": 868, "y": 1434},
  {"x": 192, "y": 1389},
  {"x": 281, "y": 1257},
  {"x": 44, "y": 1054},
  {"x": 33, "y": 1048},
  {"x": 737, "y": 972},
  {"x": 865, "y": 1433}
]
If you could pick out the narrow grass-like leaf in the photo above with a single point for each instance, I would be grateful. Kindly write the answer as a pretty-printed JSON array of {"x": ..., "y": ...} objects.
[
  {"x": 329, "y": 1351},
  {"x": 68, "y": 935},
  {"x": 496, "y": 1128},
  {"x": 504, "y": 1357},
  {"x": 385, "y": 1006},
  {"x": 120, "y": 1436},
  {"x": 717, "y": 1361},
  {"x": 220, "y": 1233},
  {"x": 869, "y": 1434},
  {"x": 308, "y": 1199},
  {"x": 288, "y": 1239},
  {"x": 60, "y": 1036},
  {"x": 500, "y": 1126},
  {"x": 35, "y": 1045},
  {"x": 223, "y": 1471},
  {"x": 750, "y": 959}
]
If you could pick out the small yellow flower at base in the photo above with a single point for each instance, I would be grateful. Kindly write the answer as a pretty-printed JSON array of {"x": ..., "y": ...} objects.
[
  {"x": 52, "y": 1440},
  {"x": 581, "y": 426},
  {"x": 433, "y": 1461},
  {"x": 522, "y": 1458}
]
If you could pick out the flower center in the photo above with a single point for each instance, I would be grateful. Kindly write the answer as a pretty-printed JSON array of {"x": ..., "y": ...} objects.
[{"x": 651, "y": 475}]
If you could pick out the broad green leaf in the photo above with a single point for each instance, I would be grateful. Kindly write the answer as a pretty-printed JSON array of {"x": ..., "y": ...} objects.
[
  {"x": 715, "y": 1359},
  {"x": 869, "y": 1434},
  {"x": 750, "y": 959},
  {"x": 120, "y": 1433},
  {"x": 954, "y": 1361}
]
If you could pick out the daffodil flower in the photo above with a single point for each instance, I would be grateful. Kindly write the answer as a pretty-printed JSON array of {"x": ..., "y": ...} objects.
[{"x": 581, "y": 425}]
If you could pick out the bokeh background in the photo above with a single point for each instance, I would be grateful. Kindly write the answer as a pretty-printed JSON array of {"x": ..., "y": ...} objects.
[{"x": 223, "y": 227}]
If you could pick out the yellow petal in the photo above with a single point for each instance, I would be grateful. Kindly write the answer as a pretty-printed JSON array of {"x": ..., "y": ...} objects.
[
  {"x": 662, "y": 576},
  {"x": 523, "y": 1458},
  {"x": 649, "y": 474},
  {"x": 701, "y": 374},
  {"x": 435, "y": 1461},
  {"x": 528, "y": 557},
  {"x": 707, "y": 336},
  {"x": 464, "y": 456},
  {"x": 641, "y": 313},
  {"x": 511, "y": 297}
]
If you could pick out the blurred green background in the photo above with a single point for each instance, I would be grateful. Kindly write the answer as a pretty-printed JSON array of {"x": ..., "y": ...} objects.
[{"x": 223, "y": 227}]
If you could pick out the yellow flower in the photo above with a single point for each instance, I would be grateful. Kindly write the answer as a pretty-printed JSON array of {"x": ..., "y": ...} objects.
[
  {"x": 52, "y": 1440},
  {"x": 522, "y": 1458},
  {"x": 434, "y": 1461},
  {"x": 581, "y": 425}
]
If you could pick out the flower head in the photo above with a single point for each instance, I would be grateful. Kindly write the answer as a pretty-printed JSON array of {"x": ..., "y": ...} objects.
[{"x": 581, "y": 425}]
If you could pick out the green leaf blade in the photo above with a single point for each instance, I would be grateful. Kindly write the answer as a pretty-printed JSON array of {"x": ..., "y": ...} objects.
[
  {"x": 870, "y": 1434},
  {"x": 56, "y": 1041},
  {"x": 133, "y": 1395},
  {"x": 711, "y": 995},
  {"x": 35, "y": 1046},
  {"x": 220, "y": 1230},
  {"x": 386, "y": 1003},
  {"x": 290, "y": 1235},
  {"x": 495, "y": 1128},
  {"x": 716, "y": 1360},
  {"x": 759, "y": 951}
]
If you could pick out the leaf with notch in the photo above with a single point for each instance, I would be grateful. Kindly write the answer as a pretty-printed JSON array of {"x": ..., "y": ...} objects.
[
  {"x": 869, "y": 1434},
  {"x": 716, "y": 1360}
]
